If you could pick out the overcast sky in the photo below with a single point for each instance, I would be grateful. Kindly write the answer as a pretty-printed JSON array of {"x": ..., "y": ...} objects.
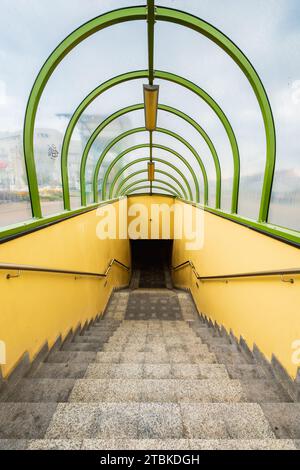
[{"x": 268, "y": 31}]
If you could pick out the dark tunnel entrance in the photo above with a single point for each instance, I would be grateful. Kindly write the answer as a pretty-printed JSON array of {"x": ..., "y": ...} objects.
[{"x": 151, "y": 260}]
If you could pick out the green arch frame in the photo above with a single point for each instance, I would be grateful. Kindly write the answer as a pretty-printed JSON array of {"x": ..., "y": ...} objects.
[
  {"x": 146, "y": 159},
  {"x": 145, "y": 180},
  {"x": 161, "y": 107},
  {"x": 161, "y": 14},
  {"x": 138, "y": 75},
  {"x": 153, "y": 187},
  {"x": 136, "y": 131},
  {"x": 157, "y": 170},
  {"x": 139, "y": 146},
  {"x": 163, "y": 76}
]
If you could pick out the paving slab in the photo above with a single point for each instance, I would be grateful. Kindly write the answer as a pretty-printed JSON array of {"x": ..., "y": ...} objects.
[
  {"x": 20, "y": 420},
  {"x": 160, "y": 421},
  {"x": 225, "y": 421},
  {"x": 65, "y": 370},
  {"x": 41, "y": 390},
  {"x": 284, "y": 419},
  {"x": 242, "y": 444}
]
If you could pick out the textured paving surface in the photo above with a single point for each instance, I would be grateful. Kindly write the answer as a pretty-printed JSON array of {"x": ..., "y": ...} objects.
[
  {"x": 153, "y": 306},
  {"x": 149, "y": 375}
]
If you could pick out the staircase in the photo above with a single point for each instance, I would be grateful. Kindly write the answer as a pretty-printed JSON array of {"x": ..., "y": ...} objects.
[{"x": 150, "y": 375}]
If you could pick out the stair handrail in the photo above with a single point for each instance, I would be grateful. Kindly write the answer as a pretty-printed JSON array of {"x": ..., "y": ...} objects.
[
  {"x": 225, "y": 277},
  {"x": 26, "y": 267}
]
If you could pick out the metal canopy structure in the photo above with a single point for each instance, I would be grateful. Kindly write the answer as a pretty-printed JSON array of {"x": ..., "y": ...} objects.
[{"x": 192, "y": 185}]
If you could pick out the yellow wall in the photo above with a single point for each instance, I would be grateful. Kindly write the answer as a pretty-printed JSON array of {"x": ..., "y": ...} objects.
[
  {"x": 156, "y": 223},
  {"x": 265, "y": 311},
  {"x": 38, "y": 307}
]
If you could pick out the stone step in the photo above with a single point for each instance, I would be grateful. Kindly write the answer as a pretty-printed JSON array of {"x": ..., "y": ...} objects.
[
  {"x": 156, "y": 371},
  {"x": 98, "y": 332},
  {"x": 88, "y": 347},
  {"x": 155, "y": 358},
  {"x": 233, "y": 358},
  {"x": 159, "y": 421},
  {"x": 156, "y": 391},
  {"x": 25, "y": 420},
  {"x": 72, "y": 356},
  {"x": 246, "y": 371},
  {"x": 205, "y": 331},
  {"x": 210, "y": 340},
  {"x": 222, "y": 348},
  {"x": 155, "y": 348},
  {"x": 91, "y": 339},
  {"x": 65, "y": 370},
  {"x": 41, "y": 390},
  {"x": 155, "y": 336},
  {"x": 148, "y": 444},
  {"x": 263, "y": 391},
  {"x": 284, "y": 419}
]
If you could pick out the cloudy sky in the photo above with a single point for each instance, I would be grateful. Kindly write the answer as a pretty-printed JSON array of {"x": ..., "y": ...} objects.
[{"x": 268, "y": 31}]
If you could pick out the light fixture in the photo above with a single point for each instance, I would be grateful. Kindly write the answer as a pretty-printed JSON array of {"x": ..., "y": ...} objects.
[
  {"x": 151, "y": 171},
  {"x": 150, "y": 104}
]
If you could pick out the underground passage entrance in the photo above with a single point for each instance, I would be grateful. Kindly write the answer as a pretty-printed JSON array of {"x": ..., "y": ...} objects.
[
  {"x": 152, "y": 297},
  {"x": 151, "y": 260}
]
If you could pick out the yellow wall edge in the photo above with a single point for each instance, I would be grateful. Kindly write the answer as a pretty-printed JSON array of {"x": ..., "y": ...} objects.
[
  {"x": 39, "y": 307},
  {"x": 264, "y": 311}
]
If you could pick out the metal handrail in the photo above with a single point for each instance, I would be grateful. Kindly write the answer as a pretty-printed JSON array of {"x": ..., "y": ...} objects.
[
  {"x": 279, "y": 272},
  {"x": 25, "y": 267}
]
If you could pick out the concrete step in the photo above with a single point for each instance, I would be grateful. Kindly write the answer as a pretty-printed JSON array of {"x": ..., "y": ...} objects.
[
  {"x": 123, "y": 337},
  {"x": 66, "y": 370},
  {"x": 159, "y": 421},
  {"x": 89, "y": 347},
  {"x": 222, "y": 348},
  {"x": 155, "y": 358},
  {"x": 213, "y": 340},
  {"x": 284, "y": 419},
  {"x": 148, "y": 444},
  {"x": 98, "y": 332},
  {"x": 234, "y": 358},
  {"x": 41, "y": 390},
  {"x": 246, "y": 371},
  {"x": 156, "y": 391},
  {"x": 156, "y": 371},
  {"x": 205, "y": 331},
  {"x": 91, "y": 339},
  {"x": 156, "y": 348},
  {"x": 72, "y": 356},
  {"x": 25, "y": 420},
  {"x": 263, "y": 391}
]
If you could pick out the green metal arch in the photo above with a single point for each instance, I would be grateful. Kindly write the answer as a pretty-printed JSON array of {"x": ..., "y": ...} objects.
[
  {"x": 145, "y": 180},
  {"x": 161, "y": 14},
  {"x": 161, "y": 147},
  {"x": 161, "y": 107},
  {"x": 157, "y": 170},
  {"x": 146, "y": 159},
  {"x": 153, "y": 187},
  {"x": 219, "y": 38},
  {"x": 143, "y": 129},
  {"x": 163, "y": 76}
]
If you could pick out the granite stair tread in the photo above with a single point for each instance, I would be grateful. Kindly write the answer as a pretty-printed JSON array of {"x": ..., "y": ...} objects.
[{"x": 135, "y": 379}]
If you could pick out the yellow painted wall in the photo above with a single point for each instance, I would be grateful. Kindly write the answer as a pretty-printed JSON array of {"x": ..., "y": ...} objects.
[
  {"x": 147, "y": 202},
  {"x": 264, "y": 311},
  {"x": 38, "y": 307}
]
